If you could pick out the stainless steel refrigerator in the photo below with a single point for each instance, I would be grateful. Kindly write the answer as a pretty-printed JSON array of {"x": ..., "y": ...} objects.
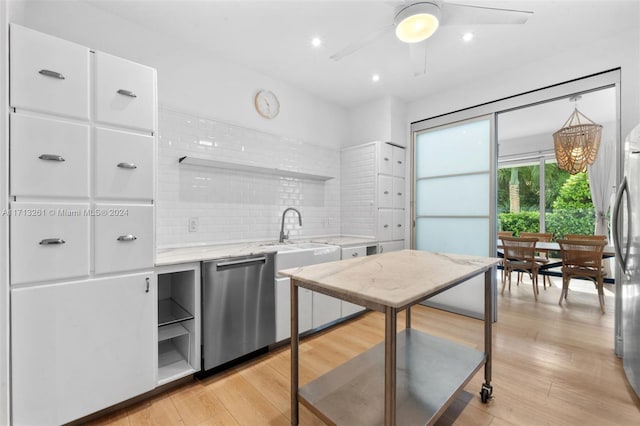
[{"x": 626, "y": 238}]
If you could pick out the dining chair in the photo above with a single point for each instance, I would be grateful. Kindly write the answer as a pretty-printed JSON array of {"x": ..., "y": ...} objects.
[
  {"x": 582, "y": 258},
  {"x": 541, "y": 257},
  {"x": 500, "y": 235},
  {"x": 519, "y": 256}
]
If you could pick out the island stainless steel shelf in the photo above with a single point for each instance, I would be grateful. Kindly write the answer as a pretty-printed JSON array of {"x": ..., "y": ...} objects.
[
  {"x": 430, "y": 372},
  {"x": 251, "y": 168}
]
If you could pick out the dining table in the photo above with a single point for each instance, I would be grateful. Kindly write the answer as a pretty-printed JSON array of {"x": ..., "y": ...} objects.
[{"x": 547, "y": 268}]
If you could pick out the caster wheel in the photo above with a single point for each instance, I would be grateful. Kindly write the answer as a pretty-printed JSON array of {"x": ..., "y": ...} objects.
[{"x": 486, "y": 393}]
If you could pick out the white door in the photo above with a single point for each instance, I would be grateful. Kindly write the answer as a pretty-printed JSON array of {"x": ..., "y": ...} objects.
[
  {"x": 78, "y": 347},
  {"x": 454, "y": 201}
]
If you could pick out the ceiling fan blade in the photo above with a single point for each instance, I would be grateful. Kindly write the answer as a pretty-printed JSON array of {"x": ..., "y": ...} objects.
[
  {"x": 418, "y": 57},
  {"x": 359, "y": 44},
  {"x": 460, "y": 14}
]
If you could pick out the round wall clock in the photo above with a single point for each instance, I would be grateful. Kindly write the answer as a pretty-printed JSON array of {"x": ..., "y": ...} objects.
[{"x": 267, "y": 104}]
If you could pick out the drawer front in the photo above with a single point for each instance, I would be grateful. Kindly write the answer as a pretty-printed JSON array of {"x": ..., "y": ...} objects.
[
  {"x": 48, "y": 241},
  {"x": 48, "y": 74},
  {"x": 385, "y": 224},
  {"x": 385, "y": 159},
  {"x": 349, "y": 252},
  {"x": 398, "y": 193},
  {"x": 124, "y": 92},
  {"x": 391, "y": 246},
  {"x": 398, "y": 224},
  {"x": 399, "y": 166},
  {"x": 385, "y": 192},
  {"x": 49, "y": 158},
  {"x": 124, "y": 165},
  {"x": 123, "y": 237}
]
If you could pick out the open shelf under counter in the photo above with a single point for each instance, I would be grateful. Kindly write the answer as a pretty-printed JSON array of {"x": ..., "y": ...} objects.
[
  {"x": 430, "y": 372},
  {"x": 251, "y": 168},
  {"x": 172, "y": 364},
  {"x": 170, "y": 312},
  {"x": 170, "y": 331}
]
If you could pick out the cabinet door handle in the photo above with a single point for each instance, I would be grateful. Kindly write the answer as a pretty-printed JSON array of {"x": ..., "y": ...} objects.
[
  {"x": 51, "y": 157},
  {"x": 354, "y": 255},
  {"x": 127, "y": 166},
  {"x": 53, "y": 74},
  {"x": 386, "y": 158},
  {"x": 386, "y": 225},
  {"x": 52, "y": 241},
  {"x": 399, "y": 226},
  {"x": 399, "y": 162},
  {"x": 127, "y": 93},
  {"x": 400, "y": 194},
  {"x": 128, "y": 237},
  {"x": 147, "y": 280},
  {"x": 386, "y": 192}
]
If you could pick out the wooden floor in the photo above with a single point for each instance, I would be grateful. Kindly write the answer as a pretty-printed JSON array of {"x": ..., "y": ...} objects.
[{"x": 552, "y": 366}]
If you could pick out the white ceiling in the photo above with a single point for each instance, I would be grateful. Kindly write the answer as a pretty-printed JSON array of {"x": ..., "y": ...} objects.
[{"x": 273, "y": 37}]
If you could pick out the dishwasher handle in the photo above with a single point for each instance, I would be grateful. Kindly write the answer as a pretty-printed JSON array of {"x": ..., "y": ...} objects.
[{"x": 243, "y": 263}]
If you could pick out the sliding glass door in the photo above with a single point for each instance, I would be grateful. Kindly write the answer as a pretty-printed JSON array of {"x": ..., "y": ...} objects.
[{"x": 454, "y": 196}]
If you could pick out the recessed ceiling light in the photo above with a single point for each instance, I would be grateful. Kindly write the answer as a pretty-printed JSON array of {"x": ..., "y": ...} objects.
[
  {"x": 316, "y": 42},
  {"x": 467, "y": 37},
  {"x": 375, "y": 77}
]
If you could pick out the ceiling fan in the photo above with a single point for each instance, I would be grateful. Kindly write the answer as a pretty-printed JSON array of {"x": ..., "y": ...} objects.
[{"x": 415, "y": 22}]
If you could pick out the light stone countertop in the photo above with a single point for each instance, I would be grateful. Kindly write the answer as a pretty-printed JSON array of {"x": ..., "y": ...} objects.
[
  {"x": 395, "y": 279},
  {"x": 345, "y": 240},
  {"x": 175, "y": 256}
]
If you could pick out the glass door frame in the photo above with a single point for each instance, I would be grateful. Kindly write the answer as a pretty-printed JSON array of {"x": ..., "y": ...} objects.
[{"x": 605, "y": 79}]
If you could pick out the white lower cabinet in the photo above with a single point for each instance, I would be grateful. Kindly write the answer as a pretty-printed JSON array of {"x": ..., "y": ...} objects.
[
  {"x": 79, "y": 347},
  {"x": 283, "y": 309},
  {"x": 326, "y": 309},
  {"x": 48, "y": 241}
]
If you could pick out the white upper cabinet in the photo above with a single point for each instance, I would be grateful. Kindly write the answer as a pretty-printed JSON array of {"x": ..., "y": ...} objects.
[
  {"x": 123, "y": 165},
  {"x": 49, "y": 241},
  {"x": 386, "y": 197},
  {"x": 123, "y": 237},
  {"x": 385, "y": 159},
  {"x": 49, "y": 158},
  {"x": 48, "y": 74},
  {"x": 124, "y": 93},
  {"x": 399, "y": 164}
]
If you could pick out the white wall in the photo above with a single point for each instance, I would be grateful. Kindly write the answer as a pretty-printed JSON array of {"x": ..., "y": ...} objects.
[
  {"x": 620, "y": 50},
  {"x": 382, "y": 119}
]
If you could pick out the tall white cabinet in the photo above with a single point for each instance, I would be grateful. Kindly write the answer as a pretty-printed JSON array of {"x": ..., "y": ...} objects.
[
  {"x": 373, "y": 198},
  {"x": 83, "y": 290}
]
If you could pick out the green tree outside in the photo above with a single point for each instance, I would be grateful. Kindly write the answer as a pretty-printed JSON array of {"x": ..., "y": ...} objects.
[{"x": 568, "y": 205}]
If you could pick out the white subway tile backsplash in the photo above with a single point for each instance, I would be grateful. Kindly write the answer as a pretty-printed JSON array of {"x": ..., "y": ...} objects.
[{"x": 239, "y": 206}]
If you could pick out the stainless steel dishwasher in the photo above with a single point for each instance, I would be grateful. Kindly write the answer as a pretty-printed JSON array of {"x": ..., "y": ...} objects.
[{"x": 238, "y": 307}]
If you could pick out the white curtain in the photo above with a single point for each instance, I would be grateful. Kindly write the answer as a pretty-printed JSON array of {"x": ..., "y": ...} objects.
[{"x": 602, "y": 179}]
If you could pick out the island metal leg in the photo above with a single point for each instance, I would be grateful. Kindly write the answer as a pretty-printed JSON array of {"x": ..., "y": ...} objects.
[
  {"x": 294, "y": 353},
  {"x": 408, "y": 318},
  {"x": 486, "y": 393},
  {"x": 390, "y": 318}
]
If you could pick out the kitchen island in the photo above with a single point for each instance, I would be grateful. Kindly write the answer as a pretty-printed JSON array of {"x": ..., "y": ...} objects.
[{"x": 412, "y": 377}]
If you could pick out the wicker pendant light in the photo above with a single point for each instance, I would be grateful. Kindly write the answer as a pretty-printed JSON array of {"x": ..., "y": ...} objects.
[{"x": 577, "y": 142}]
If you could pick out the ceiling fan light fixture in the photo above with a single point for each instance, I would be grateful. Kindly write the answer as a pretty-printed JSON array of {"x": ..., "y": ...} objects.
[{"x": 417, "y": 22}]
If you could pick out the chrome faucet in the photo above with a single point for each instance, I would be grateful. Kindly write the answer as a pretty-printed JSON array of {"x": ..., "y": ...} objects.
[{"x": 282, "y": 235}]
